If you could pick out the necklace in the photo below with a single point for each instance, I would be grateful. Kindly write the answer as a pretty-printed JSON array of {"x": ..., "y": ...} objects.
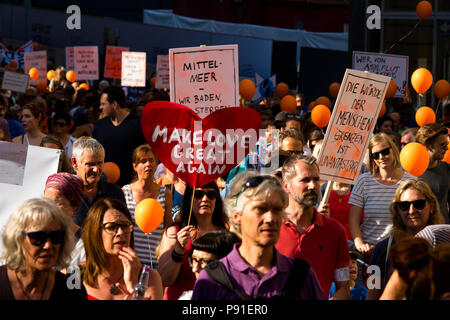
[
  {"x": 114, "y": 290},
  {"x": 23, "y": 288}
]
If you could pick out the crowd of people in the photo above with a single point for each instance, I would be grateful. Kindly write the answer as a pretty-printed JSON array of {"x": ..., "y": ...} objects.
[{"x": 243, "y": 236}]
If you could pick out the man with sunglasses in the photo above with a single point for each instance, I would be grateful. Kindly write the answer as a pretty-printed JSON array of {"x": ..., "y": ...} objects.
[
  {"x": 434, "y": 137},
  {"x": 309, "y": 234},
  {"x": 254, "y": 269}
]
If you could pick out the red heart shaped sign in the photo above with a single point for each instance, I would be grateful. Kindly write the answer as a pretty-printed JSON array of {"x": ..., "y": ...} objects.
[{"x": 199, "y": 150}]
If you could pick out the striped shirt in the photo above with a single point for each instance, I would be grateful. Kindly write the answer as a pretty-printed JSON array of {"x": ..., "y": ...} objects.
[
  {"x": 375, "y": 199},
  {"x": 145, "y": 244},
  {"x": 435, "y": 234}
]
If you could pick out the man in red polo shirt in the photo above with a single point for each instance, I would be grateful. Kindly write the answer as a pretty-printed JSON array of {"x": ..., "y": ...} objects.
[{"x": 307, "y": 233}]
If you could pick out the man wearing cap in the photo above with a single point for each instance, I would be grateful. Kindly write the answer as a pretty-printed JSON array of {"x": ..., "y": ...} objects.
[
  {"x": 309, "y": 234},
  {"x": 434, "y": 137}
]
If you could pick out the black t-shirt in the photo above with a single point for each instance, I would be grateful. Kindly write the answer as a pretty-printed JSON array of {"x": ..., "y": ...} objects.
[
  {"x": 119, "y": 143},
  {"x": 60, "y": 290}
]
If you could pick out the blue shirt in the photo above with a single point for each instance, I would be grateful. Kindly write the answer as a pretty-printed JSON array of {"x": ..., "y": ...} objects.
[{"x": 358, "y": 292}]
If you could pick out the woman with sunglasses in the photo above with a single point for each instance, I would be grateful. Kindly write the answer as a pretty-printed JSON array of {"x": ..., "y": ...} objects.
[
  {"x": 143, "y": 187},
  {"x": 36, "y": 239},
  {"x": 33, "y": 119},
  {"x": 207, "y": 215},
  {"x": 373, "y": 193},
  {"x": 112, "y": 267},
  {"x": 414, "y": 207}
]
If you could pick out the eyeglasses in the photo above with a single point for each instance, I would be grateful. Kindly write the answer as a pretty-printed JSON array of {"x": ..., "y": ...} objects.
[
  {"x": 294, "y": 152},
  {"x": 199, "y": 194},
  {"x": 113, "y": 227},
  {"x": 200, "y": 262},
  {"x": 405, "y": 205},
  {"x": 252, "y": 182},
  {"x": 292, "y": 116},
  {"x": 39, "y": 238},
  {"x": 384, "y": 152},
  {"x": 60, "y": 123}
]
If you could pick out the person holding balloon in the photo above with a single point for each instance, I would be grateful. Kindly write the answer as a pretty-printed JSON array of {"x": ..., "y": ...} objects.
[
  {"x": 144, "y": 187},
  {"x": 33, "y": 117},
  {"x": 373, "y": 192},
  {"x": 434, "y": 137},
  {"x": 112, "y": 267},
  {"x": 206, "y": 214}
]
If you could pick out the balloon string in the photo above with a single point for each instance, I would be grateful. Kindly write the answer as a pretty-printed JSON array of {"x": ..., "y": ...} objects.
[
  {"x": 402, "y": 38},
  {"x": 192, "y": 200},
  {"x": 150, "y": 250},
  {"x": 437, "y": 109}
]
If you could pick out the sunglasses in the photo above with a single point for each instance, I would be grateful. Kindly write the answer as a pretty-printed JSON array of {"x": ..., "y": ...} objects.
[
  {"x": 405, "y": 205},
  {"x": 113, "y": 227},
  {"x": 384, "y": 152},
  {"x": 252, "y": 182},
  {"x": 199, "y": 194},
  {"x": 39, "y": 238},
  {"x": 200, "y": 262}
]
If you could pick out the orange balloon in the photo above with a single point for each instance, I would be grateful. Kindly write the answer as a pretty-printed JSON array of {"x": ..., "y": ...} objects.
[
  {"x": 447, "y": 154},
  {"x": 311, "y": 105},
  {"x": 13, "y": 64},
  {"x": 35, "y": 46},
  {"x": 112, "y": 171},
  {"x": 8, "y": 67},
  {"x": 42, "y": 87},
  {"x": 148, "y": 215},
  {"x": 71, "y": 76},
  {"x": 391, "y": 90},
  {"x": 33, "y": 73},
  {"x": 382, "y": 110},
  {"x": 442, "y": 89},
  {"x": 424, "y": 9},
  {"x": 421, "y": 80},
  {"x": 320, "y": 115},
  {"x": 153, "y": 82},
  {"x": 247, "y": 89},
  {"x": 414, "y": 158},
  {"x": 323, "y": 100},
  {"x": 84, "y": 86},
  {"x": 281, "y": 90},
  {"x": 50, "y": 75},
  {"x": 334, "y": 89},
  {"x": 425, "y": 115},
  {"x": 288, "y": 103}
]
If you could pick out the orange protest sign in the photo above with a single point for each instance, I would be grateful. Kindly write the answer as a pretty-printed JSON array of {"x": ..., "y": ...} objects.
[{"x": 113, "y": 62}]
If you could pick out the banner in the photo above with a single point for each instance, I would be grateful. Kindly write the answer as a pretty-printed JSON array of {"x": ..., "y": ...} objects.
[
  {"x": 86, "y": 63},
  {"x": 354, "y": 116},
  {"x": 38, "y": 60},
  {"x": 113, "y": 62},
  {"x": 18, "y": 55},
  {"x": 15, "y": 81},
  {"x": 390, "y": 65},
  {"x": 134, "y": 69},
  {"x": 162, "y": 72},
  {"x": 204, "y": 79}
]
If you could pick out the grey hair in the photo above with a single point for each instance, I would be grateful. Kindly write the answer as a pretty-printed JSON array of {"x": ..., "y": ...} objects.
[
  {"x": 265, "y": 190},
  {"x": 35, "y": 212},
  {"x": 83, "y": 143},
  {"x": 288, "y": 170}
]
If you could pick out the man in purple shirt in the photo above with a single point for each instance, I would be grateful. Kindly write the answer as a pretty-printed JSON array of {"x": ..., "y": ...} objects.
[{"x": 254, "y": 267}]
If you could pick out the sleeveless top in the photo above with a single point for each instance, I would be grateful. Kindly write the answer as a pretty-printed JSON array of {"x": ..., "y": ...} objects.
[{"x": 142, "y": 241}]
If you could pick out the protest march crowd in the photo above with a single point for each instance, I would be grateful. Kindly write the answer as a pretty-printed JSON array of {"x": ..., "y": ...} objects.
[{"x": 246, "y": 235}]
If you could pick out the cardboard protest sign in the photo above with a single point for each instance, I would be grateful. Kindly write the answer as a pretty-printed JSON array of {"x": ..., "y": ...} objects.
[
  {"x": 38, "y": 60},
  {"x": 204, "y": 79},
  {"x": 394, "y": 66},
  {"x": 113, "y": 62},
  {"x": 15, "y": 81},
  {"x": 351, "y": 124},
  {"x": 133, "y": 69},
  {"x": 199, "y": 150},
  {"x": 70, "y": 58},
  {"x": 162, "y": 72},
  {"x": 86, "y": 63}
]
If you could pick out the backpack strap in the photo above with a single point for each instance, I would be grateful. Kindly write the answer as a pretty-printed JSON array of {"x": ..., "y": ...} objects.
[{"x": 217, "y": 272}]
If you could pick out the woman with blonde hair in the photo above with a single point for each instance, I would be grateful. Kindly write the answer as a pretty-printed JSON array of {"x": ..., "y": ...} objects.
[
  {"x": 373, "y": 193},
  {"x": 414, "y": 207}
]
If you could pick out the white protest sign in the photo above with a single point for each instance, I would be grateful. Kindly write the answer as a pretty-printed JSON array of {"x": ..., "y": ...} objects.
[
  {"x": 38, "y": 60},
  {"x": 23, "y": 172},
  {"x": 394, "y": 66},
  {"x": 162, "y": 72},
  {"x": 133, "y": 69},
  {"x": 204, "y": 79},
  {"x": 353, "y": 119},
  {"x": 15, "y": 81},
  {"x": 86, "y": 63},
  {"x": 70, "y": 58}
]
